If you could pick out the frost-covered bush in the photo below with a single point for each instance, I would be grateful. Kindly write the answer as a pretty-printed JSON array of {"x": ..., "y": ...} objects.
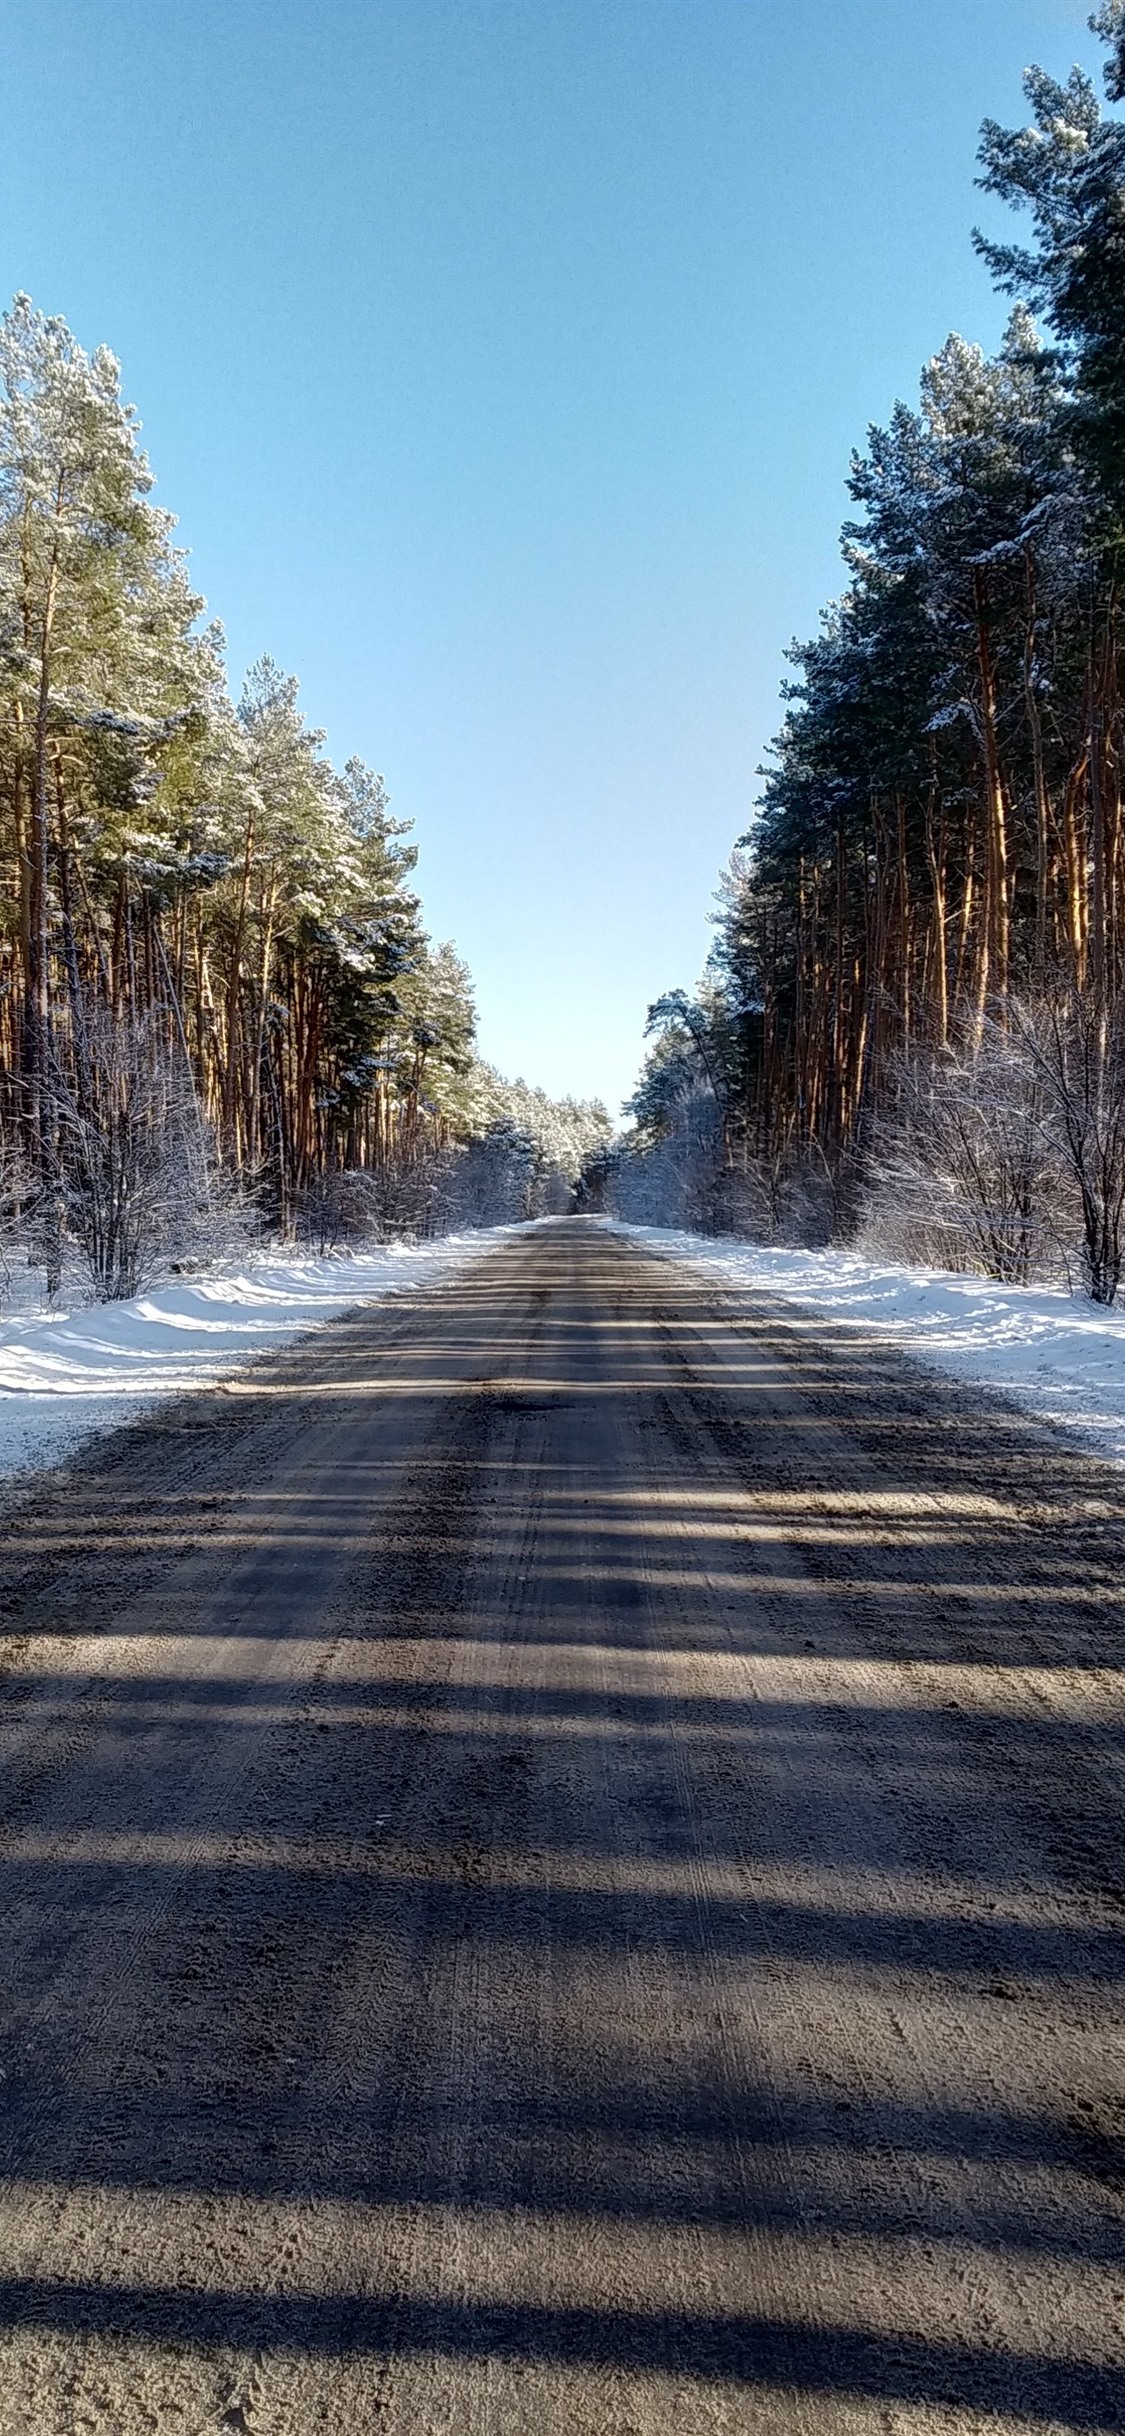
[
  {"x": 403, "y": 1196},
  {"x": 791, "y": 1198},
  {"x": 1072, "y": 1048},
  {"x": 19, "y": 1197},
  {"x": 134, "y": 1186},
  {"x": 671, "y": 1177},
  {"x": 964, "y": 1170},
  {"x": 689, "y": 1174},
  {"x": 492, "y": 1179}
]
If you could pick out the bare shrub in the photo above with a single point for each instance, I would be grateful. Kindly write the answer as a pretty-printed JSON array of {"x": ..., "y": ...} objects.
[
  {"x": 133, "y": 1187},
  {"x": 1073, "y": 1045},
  {"x": 336, "y": 1210},
  {"x": 964, "y": 1171},
  {"x": 19, "y": 1199},
  {"x": 403, "y": 1196},
  {"x": 791, "y": 1197},
  {"x": 497, "y": 1178},
  {"x": 690, "y": 1177}
]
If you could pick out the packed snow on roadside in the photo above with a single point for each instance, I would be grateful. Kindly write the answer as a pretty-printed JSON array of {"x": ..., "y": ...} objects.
[
  {"x": 70, "y": 1373},
  {"x": 1059, "y": 1356}
]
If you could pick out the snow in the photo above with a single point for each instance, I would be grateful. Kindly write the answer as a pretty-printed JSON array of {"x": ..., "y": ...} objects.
[
  {"x": 1060, "y": 1357},
  {"x": 68, "y": 1374}
]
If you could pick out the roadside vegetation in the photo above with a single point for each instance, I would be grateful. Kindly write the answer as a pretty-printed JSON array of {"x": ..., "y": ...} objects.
[
  {"x": 220, "y": 1013},
  {"x": 911, "y": 1030}
]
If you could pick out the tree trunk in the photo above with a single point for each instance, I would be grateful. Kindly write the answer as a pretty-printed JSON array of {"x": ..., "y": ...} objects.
[{"x": 993, "y": 972}]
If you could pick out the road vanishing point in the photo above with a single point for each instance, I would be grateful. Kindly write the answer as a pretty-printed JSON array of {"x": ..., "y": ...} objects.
[{"x": 562, "y": 1871}]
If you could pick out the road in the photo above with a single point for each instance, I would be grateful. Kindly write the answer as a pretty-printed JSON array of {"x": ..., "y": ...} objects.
[{"x": 562, "y": 1870}]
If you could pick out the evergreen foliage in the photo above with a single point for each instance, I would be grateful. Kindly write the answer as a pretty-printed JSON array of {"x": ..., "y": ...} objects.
[
  {"x": 937, "y": 863},
  {"x": 215, "y": 983}
]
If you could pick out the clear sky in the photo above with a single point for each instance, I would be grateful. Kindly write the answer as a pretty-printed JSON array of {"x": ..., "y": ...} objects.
[{"x": 501, "y": 363}]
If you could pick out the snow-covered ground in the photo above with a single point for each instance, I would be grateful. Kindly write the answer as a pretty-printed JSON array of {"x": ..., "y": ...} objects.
[
  {"x": 1061, "y": 1357},
  {"x": 67, "y": 1374}
]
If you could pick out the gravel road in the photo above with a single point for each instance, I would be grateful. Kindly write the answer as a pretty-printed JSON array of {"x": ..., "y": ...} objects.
[{"x": 562, "y": 1869}]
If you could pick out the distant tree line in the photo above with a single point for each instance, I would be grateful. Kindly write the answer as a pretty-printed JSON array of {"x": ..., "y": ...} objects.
[
  {"x": 216, "y": 993},
  {"x": 913, "y": 1019}
]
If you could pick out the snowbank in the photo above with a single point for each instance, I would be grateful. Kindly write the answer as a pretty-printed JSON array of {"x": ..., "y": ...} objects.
[
  {"x": 1060, "y": 1357},
  {"x": 71, "y": 1373},
  {"x": 66, "y": 1375}
]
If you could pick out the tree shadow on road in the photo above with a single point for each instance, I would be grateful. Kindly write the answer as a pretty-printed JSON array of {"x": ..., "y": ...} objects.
[{"x": 698, "y": 1821}]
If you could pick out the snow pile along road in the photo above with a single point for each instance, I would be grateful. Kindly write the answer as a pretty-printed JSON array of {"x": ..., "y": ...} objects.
[
  {"x": 67, "y": 1374},
  {"x": 1058, "y": 1356}
]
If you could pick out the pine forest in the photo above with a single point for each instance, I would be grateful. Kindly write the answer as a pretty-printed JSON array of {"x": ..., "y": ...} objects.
[
  {"x": 221, "y": 1014},
  {"x": 219, "y": 1009},
  {"x": 911, "y": 1030}
]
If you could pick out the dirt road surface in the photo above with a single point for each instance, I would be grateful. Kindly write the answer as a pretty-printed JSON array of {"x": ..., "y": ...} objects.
[{"x": 562, "y": 1870}]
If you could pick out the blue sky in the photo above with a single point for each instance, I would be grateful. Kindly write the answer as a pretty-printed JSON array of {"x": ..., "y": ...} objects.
[{"x": 501, "y": 363}]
